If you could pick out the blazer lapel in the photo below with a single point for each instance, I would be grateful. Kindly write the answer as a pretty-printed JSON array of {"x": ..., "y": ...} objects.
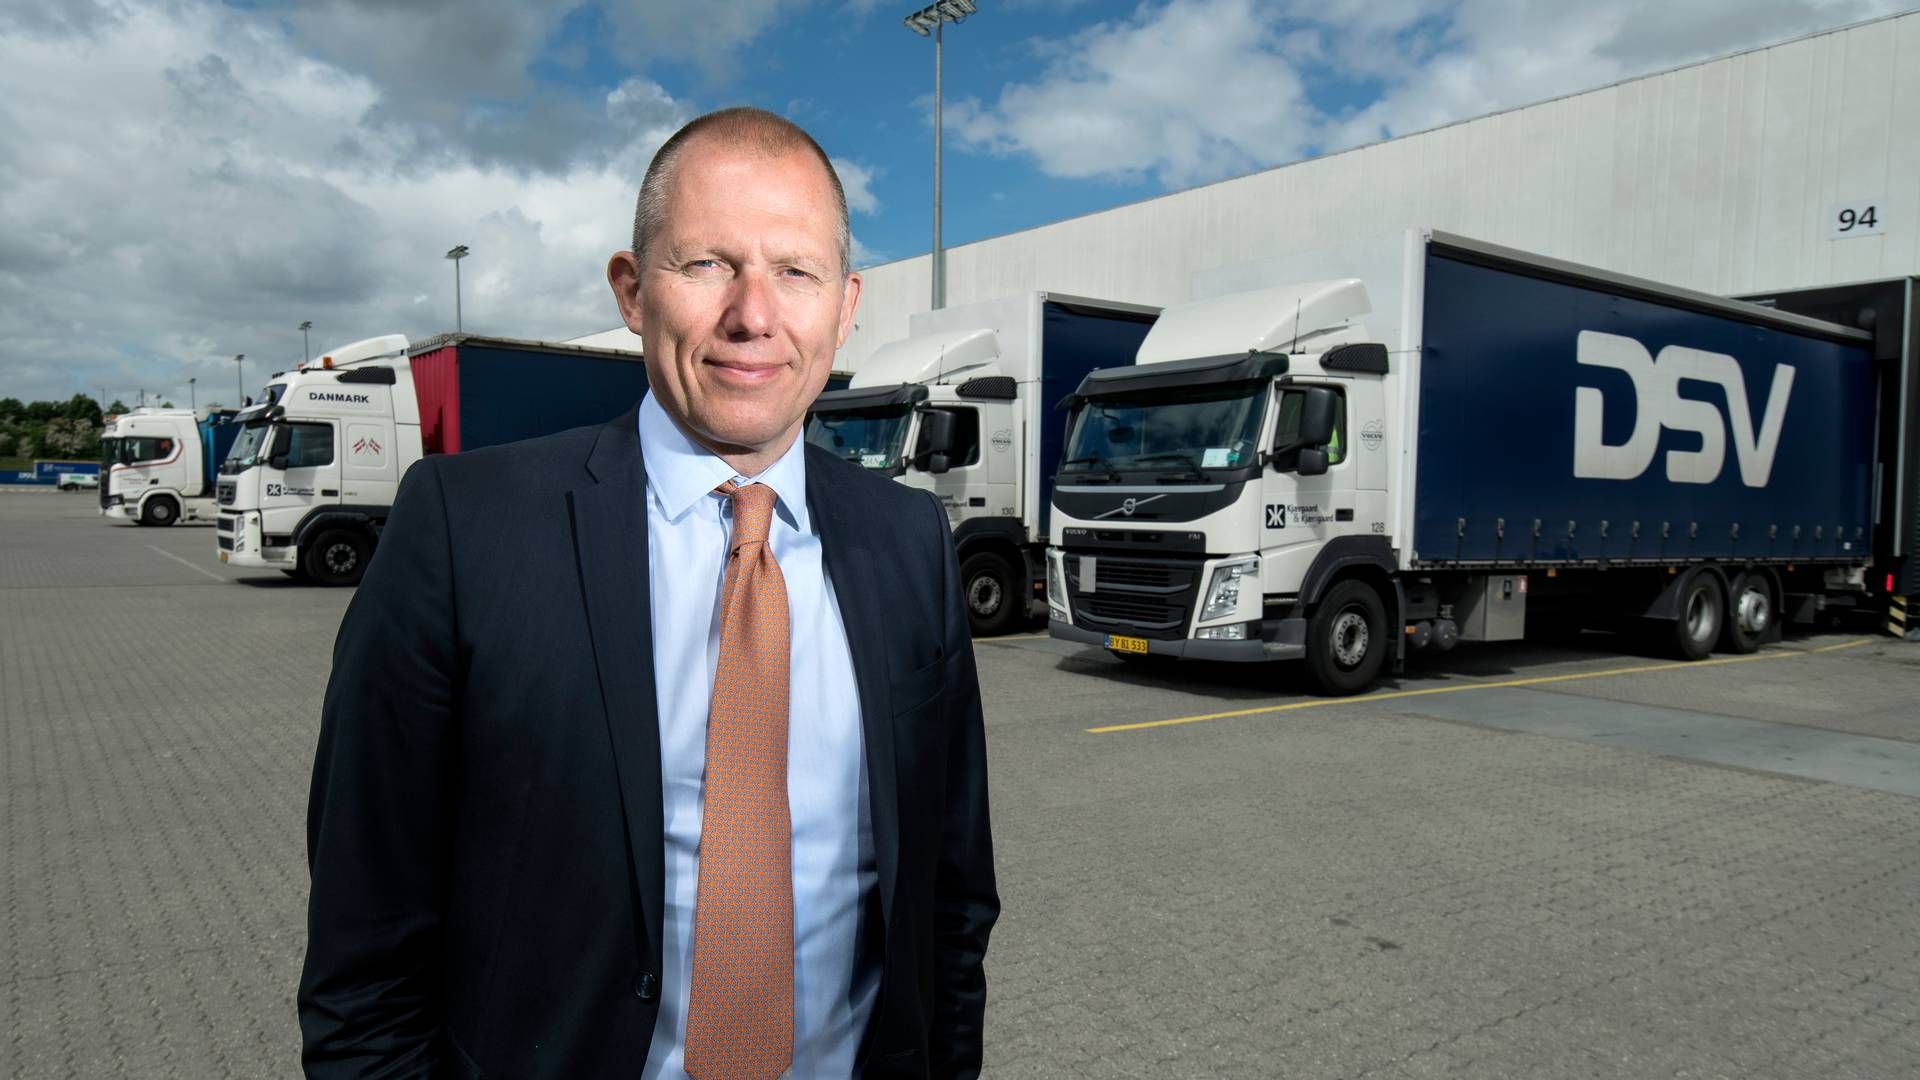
[
  {"x": 610, "y": 540},
  {"x": 843, "y": 550}
]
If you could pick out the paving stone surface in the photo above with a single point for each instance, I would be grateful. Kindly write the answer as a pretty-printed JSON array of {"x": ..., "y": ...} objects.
[{"x": 1377, "y": 888}]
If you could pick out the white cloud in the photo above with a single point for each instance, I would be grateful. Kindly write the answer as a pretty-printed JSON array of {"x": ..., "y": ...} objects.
[
  {"x": 1187, "y": 91},
  {"x": 211, "y": 183},
  {"x": 857, "y": 179},
  {"x": 1193, "y": 90}
]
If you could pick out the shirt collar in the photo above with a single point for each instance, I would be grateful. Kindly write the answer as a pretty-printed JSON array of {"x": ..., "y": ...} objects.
[{"x": 680, "y": 471}]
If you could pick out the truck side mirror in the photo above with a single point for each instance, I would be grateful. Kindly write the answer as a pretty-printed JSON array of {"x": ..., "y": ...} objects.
[
  {"x": 936, "y": 432},
  {"x": 1318, "y": 410},
  {"x": 1312, "y": 461},
  {"x": 937, "y": 463},
  {"x": 278, "y": 449}
]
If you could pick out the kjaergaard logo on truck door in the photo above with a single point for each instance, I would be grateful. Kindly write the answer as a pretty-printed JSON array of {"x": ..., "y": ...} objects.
[{"x": 1658, "y": 404}]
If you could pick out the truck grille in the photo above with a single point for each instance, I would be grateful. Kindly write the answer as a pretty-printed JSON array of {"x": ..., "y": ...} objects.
[
  {"x": 1148, "y": 597},
  {"x": 224, "y": 491}
]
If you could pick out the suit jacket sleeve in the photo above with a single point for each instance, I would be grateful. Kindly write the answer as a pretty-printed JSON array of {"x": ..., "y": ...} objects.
[
  {"x": 966, "y": 900},
  {"x": 377, "y": 816}
]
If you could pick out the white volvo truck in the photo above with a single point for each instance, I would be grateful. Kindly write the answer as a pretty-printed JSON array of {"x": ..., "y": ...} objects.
[
  {"x": 1299, "y": 472},
  {"x": 964, "y": 407},
  {"x": 157, "y": 465}
]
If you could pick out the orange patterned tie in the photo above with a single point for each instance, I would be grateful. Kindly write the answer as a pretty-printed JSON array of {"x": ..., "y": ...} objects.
[{"x": 740, "y": 1010}]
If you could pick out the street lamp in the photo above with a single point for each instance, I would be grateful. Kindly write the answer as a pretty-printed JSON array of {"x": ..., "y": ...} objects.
[
  {"x": 239, "y": 379},
  {"x": 456, "y": 253},
  {"x": 306, "y": 351},
  {"x": 930, "y": 19},
  {"x": 193, "y": 395}
]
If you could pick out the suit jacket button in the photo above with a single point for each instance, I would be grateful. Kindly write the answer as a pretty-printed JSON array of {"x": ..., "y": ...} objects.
[{"x": 646, "y": 987}]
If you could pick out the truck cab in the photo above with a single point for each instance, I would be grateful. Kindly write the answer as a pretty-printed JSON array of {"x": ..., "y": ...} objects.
[
  {"x": 1197, "y": 493},
  {"x": 316, "y": 463},
  {"x": 963, "y": 408},
  {"x": 157, "y": 464}
]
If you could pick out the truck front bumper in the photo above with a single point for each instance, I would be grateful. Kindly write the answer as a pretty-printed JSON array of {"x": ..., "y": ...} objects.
[{"x": 1280, "y": 639}]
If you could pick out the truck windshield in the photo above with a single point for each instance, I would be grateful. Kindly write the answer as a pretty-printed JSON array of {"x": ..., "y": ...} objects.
[
  {"x": 1185, "y": 430},
  {"x": 247, "y": 447},
  {"x": 139, "y": 449},
  {"x": 874, "y": 438}
]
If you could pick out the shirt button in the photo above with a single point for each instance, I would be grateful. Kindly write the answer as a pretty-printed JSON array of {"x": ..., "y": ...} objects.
[{"x": 646, "y": 987}]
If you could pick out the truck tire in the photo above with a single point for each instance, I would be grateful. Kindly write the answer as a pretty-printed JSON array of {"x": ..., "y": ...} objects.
[
  {"x": 1699, "y": 616},
  {"x": 160, "y": 510},
  {"x": 337, "y": 557},
  {"x": 994, "y": 600},
  {"x": 1750, "y": 614},
  {"x": 1347, "y": 638}
]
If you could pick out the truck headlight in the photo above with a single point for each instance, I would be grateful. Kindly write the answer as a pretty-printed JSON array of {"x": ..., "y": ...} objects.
[
  {"x": 1223, "y": 592},
  {"x": 1057, "y": 589}
]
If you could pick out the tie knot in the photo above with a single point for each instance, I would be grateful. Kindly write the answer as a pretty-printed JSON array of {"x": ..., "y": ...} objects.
[{"x": 752, "y": 512}]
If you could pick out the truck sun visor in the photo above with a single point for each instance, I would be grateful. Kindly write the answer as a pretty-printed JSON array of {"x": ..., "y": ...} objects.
[
  {"x": 1200, "y": 371},
  {"x": 869, "y": 397}
]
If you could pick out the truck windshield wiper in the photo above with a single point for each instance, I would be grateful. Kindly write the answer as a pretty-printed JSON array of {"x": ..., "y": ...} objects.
[
  {"x": 1094, "y": 459},
  {"x": 1175, "y": 455}
]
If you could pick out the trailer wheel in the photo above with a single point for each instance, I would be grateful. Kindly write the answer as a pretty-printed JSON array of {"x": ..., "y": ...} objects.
[
  {"x": 993, "y": 599},
  {"x": 1347, "y": 639},
  {"x": 337, "y": 557},
  {"x": 160, "y": 510},
  {"x": 1750, "y": 614},
  {"x": 1701, "y": 613}
]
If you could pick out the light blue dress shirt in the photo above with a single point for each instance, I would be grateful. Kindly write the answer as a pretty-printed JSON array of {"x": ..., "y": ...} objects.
[{"x": 688, "y": 530}]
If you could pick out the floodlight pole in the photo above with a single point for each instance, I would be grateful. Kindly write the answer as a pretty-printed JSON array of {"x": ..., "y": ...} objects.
[
  {"x": 239, "y": 379},
  {"x": 306, "y": 350},
  {"x": 936, "y": 15},
  {"x": 456, "y": 253}
]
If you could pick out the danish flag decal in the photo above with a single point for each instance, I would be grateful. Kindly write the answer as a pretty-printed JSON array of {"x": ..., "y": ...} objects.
[{"x": 366, "y": 446}]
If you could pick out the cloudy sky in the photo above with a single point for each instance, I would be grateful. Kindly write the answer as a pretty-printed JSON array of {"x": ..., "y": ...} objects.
[{"x": 185, "y": 180}]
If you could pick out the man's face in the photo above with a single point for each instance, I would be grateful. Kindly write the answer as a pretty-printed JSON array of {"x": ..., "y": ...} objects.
[{"x": 739, "y": 298}]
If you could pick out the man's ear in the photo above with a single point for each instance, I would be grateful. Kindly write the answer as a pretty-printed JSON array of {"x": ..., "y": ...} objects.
[
  {"x": 849, "y": 303},
  {"x": 623, "y": 273}
]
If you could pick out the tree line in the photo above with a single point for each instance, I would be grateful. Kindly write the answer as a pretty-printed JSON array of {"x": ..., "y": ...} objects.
[{"x": 68, "y": 430}]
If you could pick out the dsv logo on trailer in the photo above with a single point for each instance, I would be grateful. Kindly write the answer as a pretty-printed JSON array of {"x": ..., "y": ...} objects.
[{"x": 1658, "y": 404}]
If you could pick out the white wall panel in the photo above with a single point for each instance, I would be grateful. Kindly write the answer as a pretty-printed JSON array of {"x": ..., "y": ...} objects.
[{"x": 1716, "y": 176}]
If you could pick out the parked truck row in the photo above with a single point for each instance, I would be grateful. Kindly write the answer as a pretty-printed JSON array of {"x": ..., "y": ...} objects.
[{"x": 1335, "y": 457}]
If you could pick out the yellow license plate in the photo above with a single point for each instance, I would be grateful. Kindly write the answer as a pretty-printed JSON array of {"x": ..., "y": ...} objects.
[
  {"x": 223, "y": 556},
  {"x": 1118, "y": 643}
]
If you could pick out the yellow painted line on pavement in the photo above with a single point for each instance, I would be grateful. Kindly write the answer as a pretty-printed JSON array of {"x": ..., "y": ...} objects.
[
  {"x": 1539, "y": 680},
  {"x": 1016, "y": 637}
]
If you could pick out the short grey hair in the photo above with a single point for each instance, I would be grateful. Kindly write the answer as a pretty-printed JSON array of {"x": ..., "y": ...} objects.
[{"x": 742, "y": 126}]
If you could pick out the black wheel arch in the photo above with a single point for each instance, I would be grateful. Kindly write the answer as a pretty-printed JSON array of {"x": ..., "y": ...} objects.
[
  {"x": 1369, "y": 558},
  {"x": 367, "y": 519},
  {"x": 1003, "y": 536}
]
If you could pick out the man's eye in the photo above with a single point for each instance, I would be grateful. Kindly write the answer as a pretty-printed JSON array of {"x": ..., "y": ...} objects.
[
  {"x": 703, "y": 264},
  {"x": 796, "y": 273}
]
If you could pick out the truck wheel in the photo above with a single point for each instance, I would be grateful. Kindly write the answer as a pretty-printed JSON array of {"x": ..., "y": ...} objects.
[
  {"x": 993, "y": 600},
  {"x": 337, "y": 557},
  {"x": 160, "y": 510},
  {"x": 1750, "y": 614},
  {"x": 1347, "y": 639},
  {"x": 1701, "y": 613}
]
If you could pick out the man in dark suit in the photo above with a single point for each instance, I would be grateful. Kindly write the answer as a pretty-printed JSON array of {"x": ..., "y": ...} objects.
[{"x": 655, "y": 749}]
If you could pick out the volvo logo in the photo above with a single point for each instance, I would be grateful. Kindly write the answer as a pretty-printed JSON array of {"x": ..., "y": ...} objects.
[{"x": 1129, "y": 506}]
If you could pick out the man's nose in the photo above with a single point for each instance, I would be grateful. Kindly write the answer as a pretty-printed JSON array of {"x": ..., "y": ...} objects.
[{"x": 749, "y": 311}]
